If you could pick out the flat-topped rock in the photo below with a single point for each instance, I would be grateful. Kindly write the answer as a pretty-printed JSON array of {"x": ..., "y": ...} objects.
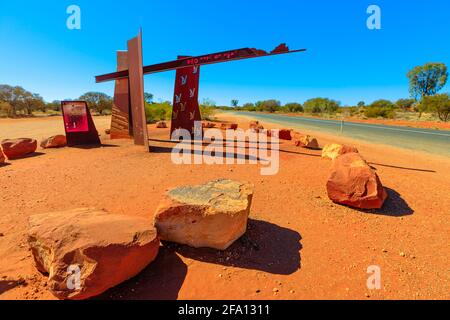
[
  {"x": 334, "y": 150},
  {"x": 211, "y": 215},
  {"x": 102, "y": 249}
]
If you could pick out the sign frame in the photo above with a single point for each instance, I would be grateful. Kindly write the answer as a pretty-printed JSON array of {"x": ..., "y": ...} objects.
[{"x": 83, "y": 137}]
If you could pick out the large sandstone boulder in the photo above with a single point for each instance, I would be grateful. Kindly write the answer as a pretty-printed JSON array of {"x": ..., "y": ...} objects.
[
  {"x": 208, "y": 125},
  {"x": 354, "y": 183},
  {"x": 284, "y": 134},
  {"x": 2, "y": 157},
  {"x": 106, "y": 249},
  {"x": 332, "y": 151},
  {"x": 211, "y": 215},
  {"x": 306, "y": 141},
  {"x": 18, "y": 148},
  {"x": 255, "y": 126},
  {"x": 161, "y": 125},
  {"x": 229, "y": 126},
  {"x": 58, "y": 141}
]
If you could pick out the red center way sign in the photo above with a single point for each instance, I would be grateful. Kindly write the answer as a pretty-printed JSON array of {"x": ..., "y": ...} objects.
[
  {"x": 78, "y": 124},
  {"x": 185, "y": 100}
]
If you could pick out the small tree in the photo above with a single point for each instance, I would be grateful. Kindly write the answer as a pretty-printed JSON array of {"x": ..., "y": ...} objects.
[
  {"x": 249, "y": 107},
  {"x": 148, "y": 97},
  {"x": 438, "y": 104},
  {"x": 427, "y": 80},
  {"x": 321, "y": 105},
  {"x": 269, "y": 105},
  {"x": 361, "y": 104},
  {"x": 98, "y": 101},
  {"x": 234, "y": 103},
  {"x": 293, "y": 107},
  {"x": 405, "y": 104}
]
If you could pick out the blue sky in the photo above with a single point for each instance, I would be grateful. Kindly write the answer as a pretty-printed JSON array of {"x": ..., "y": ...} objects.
[{"x": 345, "y": 60}]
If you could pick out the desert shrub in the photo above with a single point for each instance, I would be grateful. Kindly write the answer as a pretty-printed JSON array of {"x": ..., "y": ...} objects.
[
  {"x": 321, "y": 105},
  {"x": 438, "y": 104},
  {"x": 405, "y": 104},
  {"x": 293, "y": 107},
  {"x": 249, "y": 107},
  {"x": 380, "y": 109},
  {"x": 207, "y": 112},
  {"x": 158, "y": 111}
]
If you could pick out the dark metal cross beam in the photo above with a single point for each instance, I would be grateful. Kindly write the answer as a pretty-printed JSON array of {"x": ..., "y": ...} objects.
[{"x": 225, "y": 56}]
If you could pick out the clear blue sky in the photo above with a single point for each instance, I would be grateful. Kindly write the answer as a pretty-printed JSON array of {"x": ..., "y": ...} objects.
[{"x": 345, "y": 60}]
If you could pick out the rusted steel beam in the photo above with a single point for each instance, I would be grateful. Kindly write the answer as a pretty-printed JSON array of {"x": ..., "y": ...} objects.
[
  {"x": 225, "y": 56},
  {"x": 136, "y": 81}
]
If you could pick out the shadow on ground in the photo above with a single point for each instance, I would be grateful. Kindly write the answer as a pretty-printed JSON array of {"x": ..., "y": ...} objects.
[
  {"x": 265, "y": 247},
  {"x": 6, "y": 285},
  {"x": 161, "y": 280},
  {"x": 94, "y": 146},
  {"x": 394, "y": 206}
]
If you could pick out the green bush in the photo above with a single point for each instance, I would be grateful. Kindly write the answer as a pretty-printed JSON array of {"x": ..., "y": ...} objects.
[
  {"x": 207, "y": 112},
  {"x": 158, "y": 111},
  {"x": 321, "y": 105},
  {"x": 380, "y": 109},
  {"x": 293, "y": 107}
]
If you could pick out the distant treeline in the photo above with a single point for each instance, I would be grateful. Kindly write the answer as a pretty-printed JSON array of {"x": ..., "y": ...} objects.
[{"x": 424, "y": 82}]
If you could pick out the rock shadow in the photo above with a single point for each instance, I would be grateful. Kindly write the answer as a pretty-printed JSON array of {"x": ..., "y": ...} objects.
[
  {"x": 265, "y": 246},
  {"x": 394, "y": 206},
  {"x": 6, "y": 285},
  {"x": 160, "y": 280}
]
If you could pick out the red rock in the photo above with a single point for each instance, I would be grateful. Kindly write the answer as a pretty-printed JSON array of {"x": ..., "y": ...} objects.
[
  {"x": 354, "y": 183},
  {"x": 18, "y": 148},
  {"x": 255, "y": 126},
  {"x": 306, "y": 141},
  {"x": 2, "y": 157},
  {"x": 334, "y": 150},
  {"x": 211, "y": 215},
  {"x": 208, "y": 125},
  {"x": 106, "y": 249},
  {"x": 58, "y": 141},
  {"x": 161, "y": 125},
  {"x": 231, "y": 126},
  {"x": 285, "y": 134}
]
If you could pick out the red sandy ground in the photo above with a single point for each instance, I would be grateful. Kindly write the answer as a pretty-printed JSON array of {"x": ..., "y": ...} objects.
[{"x": 299, "y": 244}]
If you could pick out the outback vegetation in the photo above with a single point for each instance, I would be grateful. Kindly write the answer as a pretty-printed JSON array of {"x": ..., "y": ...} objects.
[{"x": 425, "y": 83}]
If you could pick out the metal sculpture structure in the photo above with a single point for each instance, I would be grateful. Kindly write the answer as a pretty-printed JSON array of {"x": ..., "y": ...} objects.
[
  {"x": 128, "y": 116},
  {"x": 185, "y": 99}
]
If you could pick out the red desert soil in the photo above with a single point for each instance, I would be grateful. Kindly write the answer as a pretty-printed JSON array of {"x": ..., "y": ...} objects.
[{"x": 299, "y": 245}]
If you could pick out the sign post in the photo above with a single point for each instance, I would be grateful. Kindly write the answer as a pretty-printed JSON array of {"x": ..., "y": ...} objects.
[{"x": 78, "y": 124}]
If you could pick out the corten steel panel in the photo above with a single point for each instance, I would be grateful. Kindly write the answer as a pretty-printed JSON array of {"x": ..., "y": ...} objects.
[
  {"x": 225, "y": 56},
  {"x": 136, "y": 79},
  {"x": 78, "y": 124},
  {"x": 185, "y": 99},
  {"x": 120, "y": 119}
]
